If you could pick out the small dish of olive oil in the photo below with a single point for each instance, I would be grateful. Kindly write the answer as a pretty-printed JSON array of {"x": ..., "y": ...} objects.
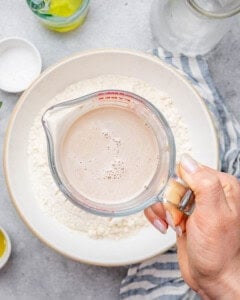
[
  {"x": 5, "y": 247},
  {"x": 60, "y": 15}
]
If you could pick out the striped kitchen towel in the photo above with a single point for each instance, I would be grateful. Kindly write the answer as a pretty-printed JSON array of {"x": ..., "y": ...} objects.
[{"x": 160, "y": 277}]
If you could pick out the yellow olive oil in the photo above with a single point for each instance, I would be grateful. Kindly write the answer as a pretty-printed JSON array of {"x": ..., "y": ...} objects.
[
  {"x": 64, "y": 8},
  {"x": 60, "y": 15},
  {"x": 2, "y": 243}
]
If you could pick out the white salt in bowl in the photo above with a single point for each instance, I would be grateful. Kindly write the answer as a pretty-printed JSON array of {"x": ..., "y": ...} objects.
[{"x": 20, "y": 64}]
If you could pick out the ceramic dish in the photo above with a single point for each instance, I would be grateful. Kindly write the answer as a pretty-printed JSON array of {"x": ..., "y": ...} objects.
[
  {"x": 18, "y": 75},
  {"x": 146, "y": 243},
  {"x": 7, "y": 252}
]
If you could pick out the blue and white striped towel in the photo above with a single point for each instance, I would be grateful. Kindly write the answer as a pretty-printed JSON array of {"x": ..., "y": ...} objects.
[{"x": 160, "y": 278}]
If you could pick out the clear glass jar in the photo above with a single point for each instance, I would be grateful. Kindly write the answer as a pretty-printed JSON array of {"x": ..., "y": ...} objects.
[
  {"x": 191, "y": 27},
  {"x": 60, "y": 15}
]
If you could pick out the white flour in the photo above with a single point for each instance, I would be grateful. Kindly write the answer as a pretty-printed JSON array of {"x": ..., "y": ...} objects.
[{"x": 46, "y": 192}]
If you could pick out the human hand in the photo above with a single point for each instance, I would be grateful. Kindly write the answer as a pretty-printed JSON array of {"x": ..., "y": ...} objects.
[{"x": 209, "y": 250}]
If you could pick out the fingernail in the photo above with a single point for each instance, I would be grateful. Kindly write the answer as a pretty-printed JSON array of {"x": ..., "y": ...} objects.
[
  {"x": 160, "y": 226},
  {"x": 169, "y": 220},
  {"x": 189, "y": 164},
  {"x": 178, "y": 230}
]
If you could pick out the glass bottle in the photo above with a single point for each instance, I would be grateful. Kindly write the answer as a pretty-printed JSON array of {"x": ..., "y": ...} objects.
[{"x": 191, "y": 27}]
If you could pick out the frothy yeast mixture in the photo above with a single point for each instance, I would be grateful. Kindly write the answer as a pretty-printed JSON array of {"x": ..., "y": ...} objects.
[{"x": 109, "y": 155}]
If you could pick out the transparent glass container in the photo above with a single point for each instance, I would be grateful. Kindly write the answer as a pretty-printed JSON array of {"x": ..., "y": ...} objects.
[
  {"x": 60, "y": 15},
  {"x": 164, "y": 186},
  {"x": 191, "y": 27}
]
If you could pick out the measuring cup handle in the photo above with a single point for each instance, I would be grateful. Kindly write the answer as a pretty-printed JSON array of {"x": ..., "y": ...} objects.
[{"x": 178, "y": 199}]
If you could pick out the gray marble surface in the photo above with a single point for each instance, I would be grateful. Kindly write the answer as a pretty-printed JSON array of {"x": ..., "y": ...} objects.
[{"x": 35, "y": 271}]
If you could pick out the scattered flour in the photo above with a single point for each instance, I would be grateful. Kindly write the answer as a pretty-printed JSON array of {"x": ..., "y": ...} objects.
[{"x": 52, "y": 201}]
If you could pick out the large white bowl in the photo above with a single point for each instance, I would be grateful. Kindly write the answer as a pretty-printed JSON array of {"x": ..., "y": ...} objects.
[{"x": 148, "y": 242}]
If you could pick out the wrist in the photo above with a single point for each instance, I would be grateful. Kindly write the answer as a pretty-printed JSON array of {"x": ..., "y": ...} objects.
[{"x": 225, "y": 288}]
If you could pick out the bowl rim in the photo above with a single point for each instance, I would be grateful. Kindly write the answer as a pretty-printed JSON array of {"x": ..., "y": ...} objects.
[
  {"x": 32, "y": 48},
  {"x": 20, "y": 102}
]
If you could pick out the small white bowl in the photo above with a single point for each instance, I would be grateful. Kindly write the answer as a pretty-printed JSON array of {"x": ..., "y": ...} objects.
[
  {"x": 20, "y": 64},
  {"x": 4, "y": 258}
]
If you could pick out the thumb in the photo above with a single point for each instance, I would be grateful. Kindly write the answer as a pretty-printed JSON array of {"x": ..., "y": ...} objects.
[{"x": 205, "y": 184}]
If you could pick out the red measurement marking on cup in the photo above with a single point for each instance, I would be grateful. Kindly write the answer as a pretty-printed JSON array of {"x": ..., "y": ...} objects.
[{"x": 118, "y": 96}]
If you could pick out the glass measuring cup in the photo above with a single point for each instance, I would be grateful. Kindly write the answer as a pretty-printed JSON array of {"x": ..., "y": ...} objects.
[{"x": 164, "y": 186}]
